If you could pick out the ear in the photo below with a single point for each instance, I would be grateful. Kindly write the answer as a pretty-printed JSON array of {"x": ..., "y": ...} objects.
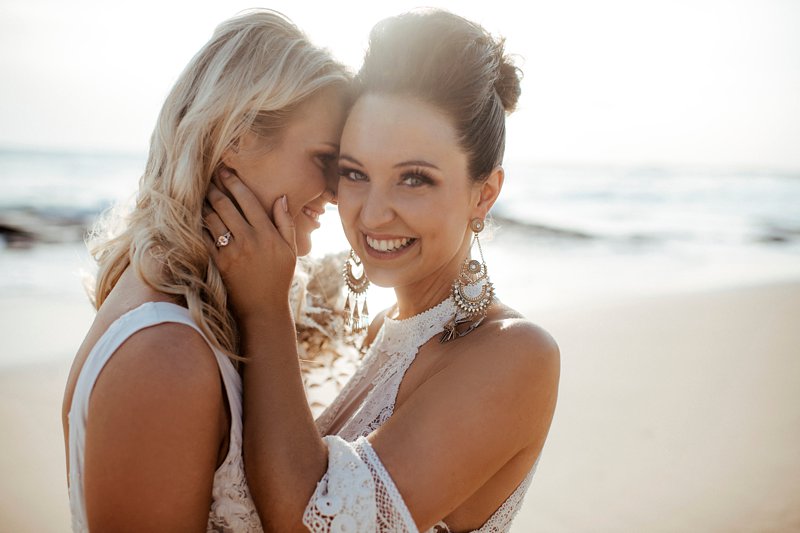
[
  {"x": 486, "y": 193},
  {"x": 230, "y": 157}
]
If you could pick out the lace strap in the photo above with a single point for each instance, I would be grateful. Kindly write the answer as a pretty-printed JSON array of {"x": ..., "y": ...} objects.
[{"x": 325, "y": 419}]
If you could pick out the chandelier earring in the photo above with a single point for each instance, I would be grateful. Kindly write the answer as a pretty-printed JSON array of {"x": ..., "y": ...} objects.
[
  {"x": 355, "y": 277},
  {"x": 472, "y": 291}
]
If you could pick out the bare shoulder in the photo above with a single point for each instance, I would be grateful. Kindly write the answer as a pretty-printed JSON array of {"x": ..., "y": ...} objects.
[
  {"x": 168, "y": 361},
  {"x": 174, "y": 348},
  {"x": 507, "y": 340},
  {"x": 514, "y": 365}
]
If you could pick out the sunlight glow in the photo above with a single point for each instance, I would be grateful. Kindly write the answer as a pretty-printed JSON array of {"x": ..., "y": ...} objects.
[{"x": 707, "y": 82}]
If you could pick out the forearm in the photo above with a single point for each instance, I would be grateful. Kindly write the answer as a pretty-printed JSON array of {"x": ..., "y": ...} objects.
[{"x": 284, "y": 454}]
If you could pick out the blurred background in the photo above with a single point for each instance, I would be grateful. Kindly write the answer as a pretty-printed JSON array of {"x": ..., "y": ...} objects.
[{"x": 653, "y": 176}]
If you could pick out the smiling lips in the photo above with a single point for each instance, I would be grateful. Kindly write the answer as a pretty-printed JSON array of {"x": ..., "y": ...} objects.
[
  {"x": 312, "y": 214},
  {"x": 389, "y": 245}
]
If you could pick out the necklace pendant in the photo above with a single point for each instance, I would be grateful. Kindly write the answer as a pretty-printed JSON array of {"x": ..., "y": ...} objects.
[{"x": 451, "y": 329}]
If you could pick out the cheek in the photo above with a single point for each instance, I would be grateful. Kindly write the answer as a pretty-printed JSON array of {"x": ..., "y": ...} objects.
[
  {"x": 440, "y": 220},
  {"x": 263, "y": 182},
  {"x": 294, "y": 178},
  {"x": 313, "y": 178},
  {"x": 430, "y": 214},
  {"x": 444, "y": 237},
  {"x": 348, "y": 202}
]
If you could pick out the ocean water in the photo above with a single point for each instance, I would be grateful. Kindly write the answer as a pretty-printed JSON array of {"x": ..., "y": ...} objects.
[{"x": 565, "y": 234}]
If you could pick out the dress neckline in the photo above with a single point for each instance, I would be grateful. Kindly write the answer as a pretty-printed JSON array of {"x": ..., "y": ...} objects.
[
  {"x": 422, "y": 316},
  {"x": 407, "y": 334}
]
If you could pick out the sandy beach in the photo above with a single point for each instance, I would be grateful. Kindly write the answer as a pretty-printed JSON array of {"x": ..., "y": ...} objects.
[{"x": 676, "y": 413}]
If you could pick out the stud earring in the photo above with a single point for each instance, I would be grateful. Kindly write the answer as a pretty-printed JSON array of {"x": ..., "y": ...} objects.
[
  {"x": 357, "y": 284},
  {"x": 472, "y": 292}
]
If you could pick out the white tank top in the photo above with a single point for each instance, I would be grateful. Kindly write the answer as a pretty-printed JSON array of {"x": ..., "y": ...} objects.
[{"x": 232, "y": 508}]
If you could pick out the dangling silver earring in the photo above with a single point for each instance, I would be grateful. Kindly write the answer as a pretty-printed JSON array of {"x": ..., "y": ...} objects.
[
  {"x": 473, "y": 293},
  {"x": 357, "y": 284}
]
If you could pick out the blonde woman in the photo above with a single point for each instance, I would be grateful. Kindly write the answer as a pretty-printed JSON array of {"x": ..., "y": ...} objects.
[{"x": 152, "y": 408}]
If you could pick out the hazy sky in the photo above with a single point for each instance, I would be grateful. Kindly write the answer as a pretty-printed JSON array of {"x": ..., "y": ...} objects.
[{"x": 711, "y": 82}]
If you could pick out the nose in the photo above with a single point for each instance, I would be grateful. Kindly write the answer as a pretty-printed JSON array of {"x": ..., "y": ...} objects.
[
  {"x": 332, "y": 180},
  {"x": 377, "y": 209}
]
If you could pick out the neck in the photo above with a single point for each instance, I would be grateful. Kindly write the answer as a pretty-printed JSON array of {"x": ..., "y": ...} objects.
[
  {"x": 415, "y": 300},
  {"x": 428, "y": 292}
]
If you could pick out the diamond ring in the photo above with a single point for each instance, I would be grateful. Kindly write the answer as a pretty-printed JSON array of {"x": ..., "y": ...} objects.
[{"x": 223, "y": 240}]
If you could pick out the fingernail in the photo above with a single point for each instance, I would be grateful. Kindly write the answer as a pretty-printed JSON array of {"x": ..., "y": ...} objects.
[
  {"x": 224, "y": 173},
  {"x": 285, "y": 204}
]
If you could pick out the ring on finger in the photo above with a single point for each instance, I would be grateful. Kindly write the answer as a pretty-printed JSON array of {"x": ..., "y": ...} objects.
[{"x": 224, "y": 240}]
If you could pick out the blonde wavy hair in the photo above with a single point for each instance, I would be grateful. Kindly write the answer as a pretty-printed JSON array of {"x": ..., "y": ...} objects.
[{"x": 256, "y": 69}]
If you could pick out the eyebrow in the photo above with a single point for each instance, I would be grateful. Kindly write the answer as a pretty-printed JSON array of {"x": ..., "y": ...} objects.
[
  {"x": 416, "y": 163},
  {"x": 411, "y": 163},
  {"x": 350, "y": 158}
]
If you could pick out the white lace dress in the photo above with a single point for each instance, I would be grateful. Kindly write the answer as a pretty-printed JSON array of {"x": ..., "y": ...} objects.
[
  {"x": 232, "y": 509},
  {"x": 357, "y": 494}
]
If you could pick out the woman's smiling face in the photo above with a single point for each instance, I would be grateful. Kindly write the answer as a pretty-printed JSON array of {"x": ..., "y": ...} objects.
[
  {"x": 405, "y": 196},
  {"x": 300, "y": 164}
]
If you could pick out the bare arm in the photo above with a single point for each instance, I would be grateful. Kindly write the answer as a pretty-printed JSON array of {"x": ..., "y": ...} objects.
[
  {"x": 284, "y": 454},
  {"x": 153, "y": 434}
]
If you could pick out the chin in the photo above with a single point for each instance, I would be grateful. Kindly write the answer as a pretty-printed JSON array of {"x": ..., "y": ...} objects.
[
  {"x": 303, "y": 242},
  {"x": 387, "y": 280}
]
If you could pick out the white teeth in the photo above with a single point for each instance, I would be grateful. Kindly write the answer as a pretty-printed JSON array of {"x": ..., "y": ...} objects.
[{"x": 387, "y": 245}]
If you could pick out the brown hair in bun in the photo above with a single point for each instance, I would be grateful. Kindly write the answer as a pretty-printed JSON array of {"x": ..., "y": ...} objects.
[
  {"x": 507, "y": 83},
  {"x": 453, "y": 64}
]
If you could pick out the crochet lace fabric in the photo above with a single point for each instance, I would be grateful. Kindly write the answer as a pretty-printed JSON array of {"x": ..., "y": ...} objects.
[
  {"x": 356, "y": 494},
  {"x": 232, "y": 508},
  {"x": 350, "y": 455}
]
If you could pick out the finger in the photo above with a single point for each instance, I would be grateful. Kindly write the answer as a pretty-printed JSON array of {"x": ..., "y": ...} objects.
[
  {"x": 227, "y": 212},
  {"x": 241, "y": 193},
  {"x": 211, "y": 245},
  {"x": 284, "y": 222},
  {"x": 213, "y": 223},
  {"x": 216, "y": 180}
]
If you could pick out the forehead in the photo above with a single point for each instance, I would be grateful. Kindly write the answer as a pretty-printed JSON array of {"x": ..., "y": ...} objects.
[
  {"x": 319, "y": 119},
  {"x": 388, "y": 128}
]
